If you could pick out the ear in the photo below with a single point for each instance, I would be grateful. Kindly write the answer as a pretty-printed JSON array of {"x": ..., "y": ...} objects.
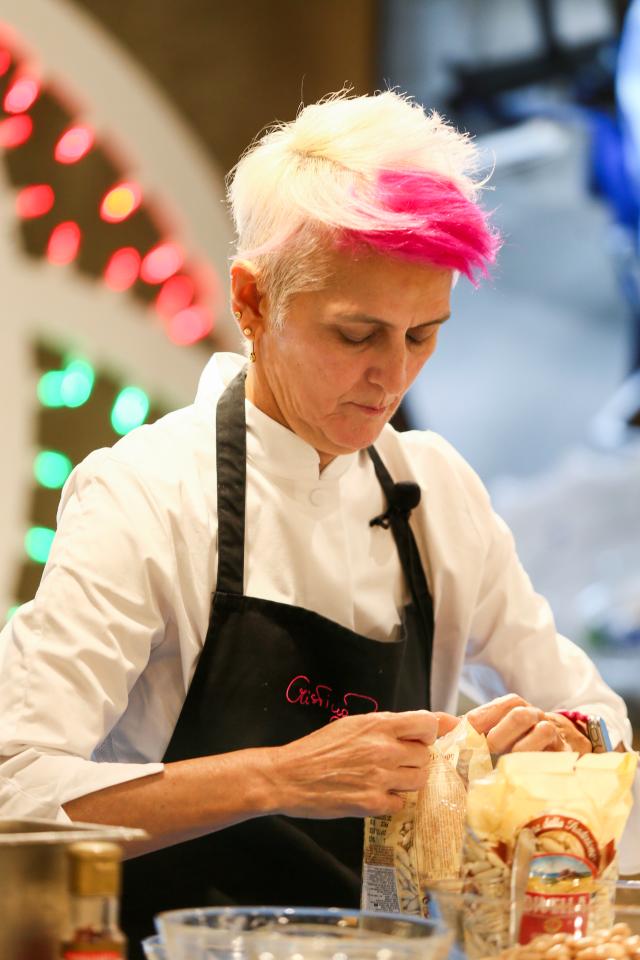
[{"x": 247, "y": 299}]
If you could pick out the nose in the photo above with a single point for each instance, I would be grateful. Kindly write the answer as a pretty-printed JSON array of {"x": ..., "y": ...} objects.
[{"x": 390, "y": 371}]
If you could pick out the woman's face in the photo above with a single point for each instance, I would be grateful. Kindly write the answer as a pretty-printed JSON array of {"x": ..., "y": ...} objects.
[{"x": 347, "y": 353}]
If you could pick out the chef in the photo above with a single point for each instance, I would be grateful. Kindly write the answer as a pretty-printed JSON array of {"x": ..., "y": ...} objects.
[{"x": 256, "y": 611}]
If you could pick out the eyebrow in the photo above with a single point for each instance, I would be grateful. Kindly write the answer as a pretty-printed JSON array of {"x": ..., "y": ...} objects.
[{"x": 378, "y": 321}]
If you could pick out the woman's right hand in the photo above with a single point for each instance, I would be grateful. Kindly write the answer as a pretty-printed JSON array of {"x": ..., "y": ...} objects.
[{"x": 355, "y": 766}]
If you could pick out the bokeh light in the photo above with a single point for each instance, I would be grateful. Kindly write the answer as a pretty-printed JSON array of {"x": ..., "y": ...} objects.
[
  {"x": 37, "y": 543},
  {"x": 50, "y": 388},
  {"x": 15, "y": 131},
  {"x": 64, "y": 243},
  {"x": 190, "y": 325},
  {"x": 129, "y": 410},
  {"x": 74, "y": 144},
  {"x": 21, "y": 95},
  {"x": 51, "y": 468},
  {"x": 161, "y": 263},
  {"x": 77, "y": 383},
  {"x": 122, "y": 269},
  {"x": 120, "y": 202},
  {"x": 175, "y": 294},
  {"x": 70, "y": 387},
  {"x": 35, "y": 201}
]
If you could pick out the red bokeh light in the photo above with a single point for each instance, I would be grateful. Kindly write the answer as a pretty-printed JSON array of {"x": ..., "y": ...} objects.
[
  {"x": 122, "y": 269},
  {"x": 120, "y": 202},
  {"x": 190, "y": 325},
  {"x": 5, "y": 61},
  {"x": 35, "y": 201},
  {"x": 161, "y": 263},
  {"x": 74, "y": 144},
  {"x": 21, "y": 95},
  {"x": 176, "y": 294},
  {"x": 64, "y": 243},
  {"x": 15, "y": 131}
]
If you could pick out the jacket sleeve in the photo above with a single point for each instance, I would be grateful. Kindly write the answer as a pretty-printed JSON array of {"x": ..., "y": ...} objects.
[
  {"x": 513, "y": 633},
  {"x": 73, "y": 654}
]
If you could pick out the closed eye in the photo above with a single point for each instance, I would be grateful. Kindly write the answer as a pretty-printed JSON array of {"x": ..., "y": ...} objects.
[
  {"x": 349, "y": 338},
  {"x": 426, "y": 334},
  {"x": 416, "y": 336}
]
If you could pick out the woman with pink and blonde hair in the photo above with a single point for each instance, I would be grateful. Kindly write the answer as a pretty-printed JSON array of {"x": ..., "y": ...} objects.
[{"x": 257, "y": 610}]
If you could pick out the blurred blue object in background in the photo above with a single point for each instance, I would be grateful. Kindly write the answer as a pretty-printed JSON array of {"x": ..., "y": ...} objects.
[
  {"x": 628, "y": 101},
  {"x": 609, "y": 175},
  {"x": 628, "y": 96}
]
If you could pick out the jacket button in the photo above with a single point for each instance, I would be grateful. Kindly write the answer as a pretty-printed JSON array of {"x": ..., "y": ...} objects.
[{"x": 319, "y": 497}]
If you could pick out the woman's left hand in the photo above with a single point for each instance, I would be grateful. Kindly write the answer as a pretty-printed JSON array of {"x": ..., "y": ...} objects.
[{"x": 511, "y": 724}]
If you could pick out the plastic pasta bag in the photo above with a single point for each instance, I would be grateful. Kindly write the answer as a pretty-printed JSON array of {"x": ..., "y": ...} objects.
[{"x": 406, "y": 852}]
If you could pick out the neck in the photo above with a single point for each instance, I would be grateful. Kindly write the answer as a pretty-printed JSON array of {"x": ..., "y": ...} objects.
[{"x": 258, "y": 392}]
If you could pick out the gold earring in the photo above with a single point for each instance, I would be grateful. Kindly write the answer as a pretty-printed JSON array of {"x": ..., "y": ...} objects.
[
  {"x": 237, "y": 314},
  {"x": 252, "y": 356}
]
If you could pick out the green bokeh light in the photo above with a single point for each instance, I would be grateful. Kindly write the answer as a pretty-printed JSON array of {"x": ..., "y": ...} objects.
[
  {"x": 51, "y": 469},
  {"x": 77, "y": 383},
  {"x": 69, "y": 387},
  {"x": 50, "y": 389},
  {"x": 37, "y": 543},
  {"x": 12, "y": 610},
  {"x": 129, "y": 410}
]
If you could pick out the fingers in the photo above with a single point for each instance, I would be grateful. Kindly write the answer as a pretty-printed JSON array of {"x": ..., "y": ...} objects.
[
  {"x": 486, "y": 717},
  {"x": 411, "y": 753},
  {"x": 407, "y": 778},
  {"x": 446, "y": 722},
  {"x": 419, "y": 725},
  {"x": 416, "y": 731},
  {"x": 526, "y": 728},
  {"x": 512, "y": 724},
  {"x": 543, "y": 736},
  {"x": 513, "y": 727}
]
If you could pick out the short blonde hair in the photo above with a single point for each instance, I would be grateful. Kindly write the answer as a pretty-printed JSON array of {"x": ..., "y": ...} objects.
[{"x": 306, "y": 184}]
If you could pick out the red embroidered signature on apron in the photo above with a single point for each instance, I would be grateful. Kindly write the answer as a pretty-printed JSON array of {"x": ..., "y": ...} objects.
[{"x": 301, "y": 690}]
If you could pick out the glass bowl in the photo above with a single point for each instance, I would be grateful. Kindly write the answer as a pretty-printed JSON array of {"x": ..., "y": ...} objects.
[
  {"x": 300, "y": 933},
  {"x": 154, "y": 948}
]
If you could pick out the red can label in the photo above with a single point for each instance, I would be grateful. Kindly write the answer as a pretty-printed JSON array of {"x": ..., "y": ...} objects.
[
  {"x": 87, "y": 954},
  {"x": 559, "y": 913}
]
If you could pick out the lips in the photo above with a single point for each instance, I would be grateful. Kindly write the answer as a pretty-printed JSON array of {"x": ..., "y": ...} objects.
[{"x": 373, "y": 410}]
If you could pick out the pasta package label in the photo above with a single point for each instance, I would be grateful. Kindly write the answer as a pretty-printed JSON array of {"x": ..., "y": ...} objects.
[
  {"x": 561, "y": 877},
  {"x": 390, "y": 870},
  {"x": 406, "y": 852}
]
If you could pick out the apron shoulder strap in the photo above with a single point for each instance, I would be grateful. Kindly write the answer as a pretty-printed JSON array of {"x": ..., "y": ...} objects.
[
  {"x": 231, "y": 455},
  {"x": 409, "y": 555}
]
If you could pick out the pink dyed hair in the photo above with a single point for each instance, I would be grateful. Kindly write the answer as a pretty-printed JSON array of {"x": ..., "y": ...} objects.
[
  {"x": 370, "y": 173},
  {"x": 437, "y": 224}
]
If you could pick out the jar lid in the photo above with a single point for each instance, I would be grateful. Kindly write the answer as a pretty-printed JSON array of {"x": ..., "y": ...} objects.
[{"x": 94, "y": 868}]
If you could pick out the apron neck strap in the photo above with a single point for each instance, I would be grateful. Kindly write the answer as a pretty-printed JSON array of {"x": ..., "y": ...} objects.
[{"x": 231, "y": 456}]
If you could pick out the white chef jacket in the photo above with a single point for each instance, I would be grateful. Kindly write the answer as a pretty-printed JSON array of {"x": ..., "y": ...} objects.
[{"x": 96, "y": 668}]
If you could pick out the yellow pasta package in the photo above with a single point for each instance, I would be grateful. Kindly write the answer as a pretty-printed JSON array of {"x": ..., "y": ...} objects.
[{"x": 542, "y": 834}]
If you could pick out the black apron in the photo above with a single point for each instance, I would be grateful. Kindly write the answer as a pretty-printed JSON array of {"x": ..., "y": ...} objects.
[{"x": 268, "y": 674}]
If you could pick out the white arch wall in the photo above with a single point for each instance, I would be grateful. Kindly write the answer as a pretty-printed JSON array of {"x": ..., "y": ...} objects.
[
  {"x": 122, "y": 101},
  {"x": 113, "y": 330}
]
